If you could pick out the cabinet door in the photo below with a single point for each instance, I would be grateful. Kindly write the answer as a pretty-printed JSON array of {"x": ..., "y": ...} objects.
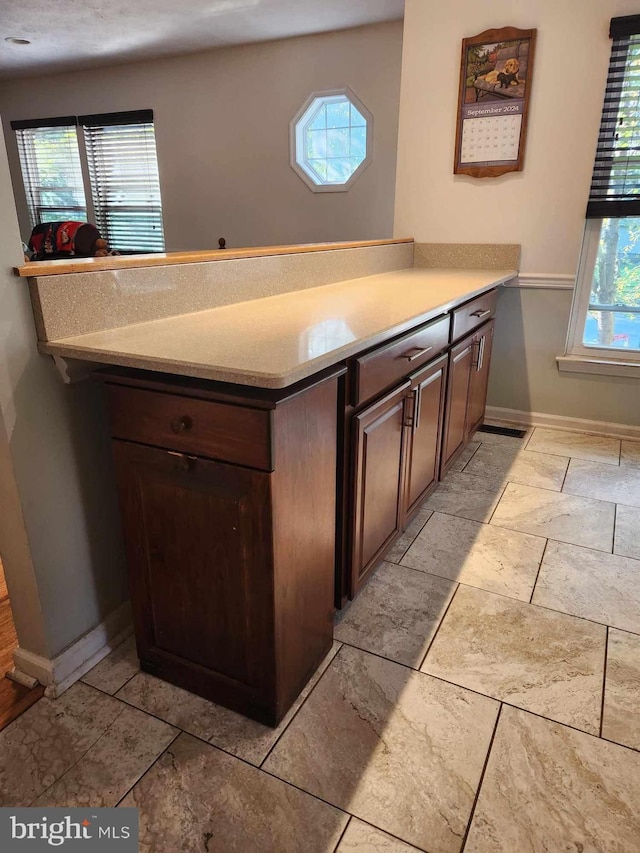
[
  {"x": 479, "y": 378},
  {"x": 455, "y": 430},
  {"x": 428, "y": 386},
  {"x": 378, "y": 453},
  {"x": 197, "y": 535}
]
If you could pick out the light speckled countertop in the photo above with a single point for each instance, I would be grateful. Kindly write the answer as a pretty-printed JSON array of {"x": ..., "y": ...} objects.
[{"x": 278, "y": 340}]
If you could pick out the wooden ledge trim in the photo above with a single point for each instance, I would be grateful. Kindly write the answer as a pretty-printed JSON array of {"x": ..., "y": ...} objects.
[{"x": 121, "y": 262}]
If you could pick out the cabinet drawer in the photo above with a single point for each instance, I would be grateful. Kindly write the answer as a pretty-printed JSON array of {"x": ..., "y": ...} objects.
[
  {"x": 390, "y": 363},
  {"x": 202, "y": 427},
  {"x": 473, "y": 314}
]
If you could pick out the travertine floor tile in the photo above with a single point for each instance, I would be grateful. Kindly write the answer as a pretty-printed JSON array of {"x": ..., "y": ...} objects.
[
  {"x": 630, "y": 453},
  {"x": 481, "y": 555},
  {"x": 48, "y": 739},
  {"x": 397, "y": 614},
  {"x": 397, "y": 550},
  {"x": 113, "y": 764},
  {"x": 116, "y": 669},
  {"x": 596, "y": 448},
  {"x": 466, "y": 495},
  {"x": 230, "y": 731},
  {"x": 519, "y": 466},
  {"x": 545, "y": 662},
  {"x": 626, "y": 541},
  {"x": 395, "y": 747},
  {"x": 604, "y": 482},
  {"x": 621, "y": 716},
  {"x": 197, "y": 798},
  {"x": 602, "y": 587},
  {"x": 465, "y": 456},
  {"x": 577, "y": 520},
  {"x": 362, "y": 838},
  {"x": 548, "y": 788}
]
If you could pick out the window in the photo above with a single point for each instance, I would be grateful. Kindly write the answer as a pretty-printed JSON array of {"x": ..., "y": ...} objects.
[
  {"x": 51, "y": 170},
  {"x": 125, "y": 186},
  {"x": 331, "y": 140},
  {"x": 605, "y": 319},
  {"x": 117, "y": 152}
]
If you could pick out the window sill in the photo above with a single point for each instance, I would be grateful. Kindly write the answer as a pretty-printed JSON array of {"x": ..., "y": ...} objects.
[{"x": 597, "y": 366}]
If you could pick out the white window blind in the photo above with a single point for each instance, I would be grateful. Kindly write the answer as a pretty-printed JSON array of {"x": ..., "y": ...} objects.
[
  {"x": 125, "y": 186},
  {"x": 51, "y": 169},
  {"x": 615, "y": 186}
]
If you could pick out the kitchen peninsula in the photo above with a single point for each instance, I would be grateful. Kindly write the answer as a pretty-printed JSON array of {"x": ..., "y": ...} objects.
[{"x": 278, "y": 415}]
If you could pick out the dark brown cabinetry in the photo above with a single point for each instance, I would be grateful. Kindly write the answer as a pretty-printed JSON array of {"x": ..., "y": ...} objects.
[
  {"x": 455, "y": 428},
  {"x": 423, "y": 450},
  {"x": 483, "y": 341},
  {"x": 407, "y": 438},
  {"x": 379, "y": 440},
  {"x": 231, "y": 560},
  {"x": 469, "y": 363},
  {"x": 198, "y": 534},
  {"x": 241, "y": 506},
  {"x": 389, "y": 364},
  {"x": 396, "y": 449},
  {"x": 473, "y": 314},
  {"x": 395, "y": 443}
]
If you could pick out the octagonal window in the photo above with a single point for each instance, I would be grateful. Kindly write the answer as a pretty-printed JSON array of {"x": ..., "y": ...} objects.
[{"x": 331, "y": 140}]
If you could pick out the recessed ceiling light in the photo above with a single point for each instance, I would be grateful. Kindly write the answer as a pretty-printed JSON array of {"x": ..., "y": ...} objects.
[{"x": 14, "y": 40}]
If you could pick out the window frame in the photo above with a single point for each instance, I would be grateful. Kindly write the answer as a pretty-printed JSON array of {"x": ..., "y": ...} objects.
[
  {"x": 295, "y": 133},
  {"x": 580, "y": 357},
  {"x": 575, "y": 346},
  {"x": 32, "y": 191},
  {"x": 79, "y": 124}
]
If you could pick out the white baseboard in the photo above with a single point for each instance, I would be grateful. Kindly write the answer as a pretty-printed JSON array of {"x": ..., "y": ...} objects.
[
  {"x": 65, "y": 669},
  {"x": 533, "y": 419}
]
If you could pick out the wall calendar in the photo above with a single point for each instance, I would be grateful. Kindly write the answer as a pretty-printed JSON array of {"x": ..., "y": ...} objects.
[{"x": 493, "y": 102}]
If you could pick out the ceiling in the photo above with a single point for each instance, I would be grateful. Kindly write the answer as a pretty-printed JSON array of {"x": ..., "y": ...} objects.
[{"x": 68, "y": 34}]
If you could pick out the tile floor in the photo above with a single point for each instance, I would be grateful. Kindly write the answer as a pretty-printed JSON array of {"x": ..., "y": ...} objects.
[{"x": 482, "y": 694}]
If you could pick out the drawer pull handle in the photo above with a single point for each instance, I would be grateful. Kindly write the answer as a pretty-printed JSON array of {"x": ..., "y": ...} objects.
[
  {"x": 416, "y": 353},
  {"x": 480, "y": 313},
  {"x": 181, "y": 424}
]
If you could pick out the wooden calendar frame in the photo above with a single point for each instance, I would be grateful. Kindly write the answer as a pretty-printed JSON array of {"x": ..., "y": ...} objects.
[{"x": 501, "y": 89}]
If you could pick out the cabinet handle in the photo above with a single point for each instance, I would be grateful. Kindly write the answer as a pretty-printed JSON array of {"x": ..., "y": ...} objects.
[
  {"x": 181, "y": 424},
  {"x": 480, "y": 313},
  {"x": 417, "y": 408},
  {"x": 475, "y": 354},
  {"x": 481, "y": 344},
  {"x": 416, "y": 353}
]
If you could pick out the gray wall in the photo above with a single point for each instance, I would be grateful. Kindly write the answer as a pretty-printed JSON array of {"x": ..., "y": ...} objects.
[
  {"x": 222, "y": 125},
  {"x": 531, "y": 327},
  {"x": 59, "y": 531}
]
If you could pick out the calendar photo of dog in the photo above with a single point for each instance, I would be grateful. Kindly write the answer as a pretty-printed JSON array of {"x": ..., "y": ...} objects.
[
  {"x": 496, "y": 71},
  {"x": 507, "y": 77}
]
